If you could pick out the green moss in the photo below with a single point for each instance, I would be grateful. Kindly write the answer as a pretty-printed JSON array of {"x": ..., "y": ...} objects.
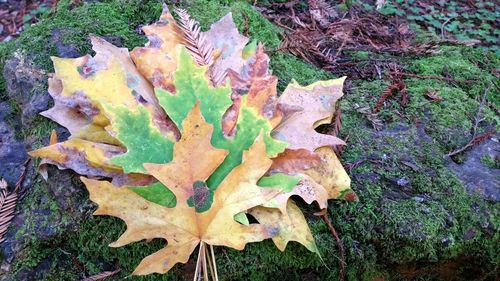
[
  {"x": 490, "y": 162},
  {"x": 450, "y": 122},
  {"x": 463, "y": 64},
  {"x": 107, "y": 18}
]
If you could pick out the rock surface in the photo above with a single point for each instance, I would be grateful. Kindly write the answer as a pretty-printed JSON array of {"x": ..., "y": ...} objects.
[
  {"x": 12, "y": 152},
  {"x": 478, "y": 177},
  {"x": 26, "y": 84},
  {"x": 44, "y": 210}
]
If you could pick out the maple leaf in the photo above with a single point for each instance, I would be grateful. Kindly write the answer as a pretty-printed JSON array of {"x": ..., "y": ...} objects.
[
  {"x": 292, "y": 225},
  {"x": 191, "y": 86},
  {"x": 155, "y": 60},
  {"x": 185, "y": 226},
  {"x": 192, "y": 133},
  {"x": 229, "y": 43},
  {"x": 305, "y": 108},
  {"x": 82, "y": 106}
]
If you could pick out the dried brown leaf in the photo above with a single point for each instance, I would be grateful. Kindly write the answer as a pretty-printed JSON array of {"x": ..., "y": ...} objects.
[{"x": 433, "y": 95}]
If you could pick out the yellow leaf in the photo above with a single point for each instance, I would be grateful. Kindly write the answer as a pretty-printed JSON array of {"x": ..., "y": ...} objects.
[
  {"x": 292, "y": 225},
  {"x": 208, "y": 219},
  {"x": 308, "y": 189},
  {"x": 330, "y": 173},
  {"x": 156, "y": 61},
  {"x": 82, "y": 156},
  {"x": 305, "y": 108}
]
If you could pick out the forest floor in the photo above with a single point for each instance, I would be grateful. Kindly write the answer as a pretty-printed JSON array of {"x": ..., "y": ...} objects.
[{"x": 419, "y": 116}]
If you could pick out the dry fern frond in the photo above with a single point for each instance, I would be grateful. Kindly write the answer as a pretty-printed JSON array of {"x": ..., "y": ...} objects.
[
  {"x": 217, "y": 77},
  {"x": 196, "y": 41},
  {"x": 8, "y": 202},
  {"x": 395, "y": 87}
]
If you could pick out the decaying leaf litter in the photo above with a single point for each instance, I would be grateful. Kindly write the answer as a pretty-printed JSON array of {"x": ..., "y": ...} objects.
[
  {"x": 16, "y": 15},
  {"x": 324, "y": 36},
  {"x": 190, "y": 136},
  {"x": 329, "y": 37}
]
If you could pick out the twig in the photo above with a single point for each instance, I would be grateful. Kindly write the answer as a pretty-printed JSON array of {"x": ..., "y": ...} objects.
[
  {"x": 352, "y": 166},
  {"x": 204, "y": 262},
  {"x": 197, "y": 275},
  {"x": 442, "y": 27},
  {"x": 475, "y": 138},
  {"x": 323, "y": 214},
  {"x": 102, "y": 276},
  {"x": 474, "y": 141},
  {"x": 246, "y": 23},
  {"x": 22, "y": 176},
  {"x": 210, "y": 267},
  {"x": 436, "y": 78}
]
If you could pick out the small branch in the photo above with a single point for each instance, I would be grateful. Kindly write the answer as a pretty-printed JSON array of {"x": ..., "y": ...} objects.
[
  {"x": 436, "y": 78},
  {"x": 476, "y": 139},
  {"x": 204, "y": 262},
  {"x": 210, "y": 266},
  {"x": 442, "y": 27},
  {"x": 323, "y": 214},
  {"x": 102, "y": 276},
  {"x": 214, "y": 262},
  {"x": 197, "y": 273},
  {"x": 22, "y": 176},
  {"x": 352, "y": 166},
  {"x": 246, "y": 23}
]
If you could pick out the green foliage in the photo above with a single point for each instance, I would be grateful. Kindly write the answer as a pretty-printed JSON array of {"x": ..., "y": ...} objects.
[
  {"x": 455, "y": 18},
  {"x": 156, "y": 192},
  {"x": 491, "y": 162},
  {"x": 41, "y": 11},
  {"x": 191, "y": 86},
  {"x": 133, "y": 127}
]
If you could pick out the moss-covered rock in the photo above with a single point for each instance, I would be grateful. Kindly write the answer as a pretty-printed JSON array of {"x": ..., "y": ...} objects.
[{"x": 414, "y": 219}]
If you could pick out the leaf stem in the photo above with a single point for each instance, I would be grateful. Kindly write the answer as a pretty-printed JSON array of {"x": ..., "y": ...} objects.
[
  {"x": 204, "y": 259},
  {"x": 196, "y": 271},
  {"x": 214, "y": 262}
]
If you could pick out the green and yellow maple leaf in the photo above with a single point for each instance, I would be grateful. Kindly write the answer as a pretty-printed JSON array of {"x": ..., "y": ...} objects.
[
  {"x": 183, "y": 226},
  {"x": 191, "y": 147}
]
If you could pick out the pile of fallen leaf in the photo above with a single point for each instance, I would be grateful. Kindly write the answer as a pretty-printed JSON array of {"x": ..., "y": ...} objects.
[
  {"x": 186, "y": 139},
  {"x": 323, "y": 36},
  {"x": 16, "y": 14}
]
